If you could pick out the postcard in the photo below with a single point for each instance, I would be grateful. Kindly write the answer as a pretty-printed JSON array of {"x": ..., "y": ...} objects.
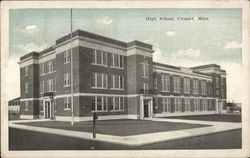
[{"x": 125, "y": 79}]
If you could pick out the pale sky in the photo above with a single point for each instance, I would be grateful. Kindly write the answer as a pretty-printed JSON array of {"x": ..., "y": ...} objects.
[{"x": 178, "y": 42}]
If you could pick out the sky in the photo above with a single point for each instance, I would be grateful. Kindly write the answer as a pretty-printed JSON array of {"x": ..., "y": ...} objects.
[{"x": 176, "y": 42}]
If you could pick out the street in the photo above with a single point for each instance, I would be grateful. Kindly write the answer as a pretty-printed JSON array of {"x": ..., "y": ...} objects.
[{"x": 30, "y": 140}]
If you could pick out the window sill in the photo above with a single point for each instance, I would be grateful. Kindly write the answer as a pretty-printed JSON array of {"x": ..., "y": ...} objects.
[
  {"x": 99, "y": 111},
  {"x": 117, "y": 89},
  {"x": 66, "y": 108},
  {"x": 66, "y": 62},
  {"x": 116, "y": 110},
  {"x": 98, "y": 88},
  {"x": 165, "y": 91},
  {"x": 99, "y": 65},
  {"x": 176, "y": 92},
  {"x": 66, "y": 86},
  {"x": 144, "y": 77},
  {"x": 26, "y": 109},
  {"x": 116, "y": 67}
]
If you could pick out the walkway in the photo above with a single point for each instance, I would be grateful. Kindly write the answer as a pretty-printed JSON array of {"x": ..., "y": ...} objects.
[{"x": 142, "y": 139}]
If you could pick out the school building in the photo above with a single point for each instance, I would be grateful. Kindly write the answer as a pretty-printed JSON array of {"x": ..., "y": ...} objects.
[{"x": 115, "y": 79}]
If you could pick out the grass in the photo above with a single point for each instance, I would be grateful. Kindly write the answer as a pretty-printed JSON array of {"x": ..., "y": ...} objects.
[
  {"x": 212, "y": 117},
  {"x": 124, "y": 127}
]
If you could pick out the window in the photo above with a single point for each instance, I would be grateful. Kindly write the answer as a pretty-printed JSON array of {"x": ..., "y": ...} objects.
[
  {"x": 50, "y": 66},
  {"x": 177, "y": 104},
  {"x": 26, "y": 104},
  {"x": 42, "y": 86},
  {"x": 50, "y": 85},
  {"x": 66, "y": 79},
  {"x": 217, "y": 82},
  {"x": 204, "y": 104},
  {"x": 26, "y": 88},
  {"x": 145, "y": 87},
  {"x": 196, "y": 105},
  {"x": 222, "y": 81},
  {"x": 26, "y": 71},
  {"x": 203, "y": 87},
  {"x": 166, "y": 103},
  {"x": 155, "y": 83},
  {"x": 186, "y": 85},
  {"x": 117, "y": 82},
  {"x": 187, "y": 104},
  {"x": 54, "y": 86},
  {"x": 117, "y": 61},
  {"x": 41, "y": 68},
  {"x": 99, "y": 103},
  {"x": 116, "y": 104},
  {"x": 44, "y": 68},
  {"x": 177, "y": 84},
  {"x": 99, "y": 80},
  {"x": 165, "y": 82},
  {"x": 195, "y": 86},
  {"x": 66, "y": 56},
  {"x": 145, "y": 69},
  {"x": 67, "y": 103},
  {"x": 99, "y": 57}
]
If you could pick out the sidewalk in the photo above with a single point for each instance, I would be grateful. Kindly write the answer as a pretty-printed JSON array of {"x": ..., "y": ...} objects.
[{"x": 142, "y": 139}]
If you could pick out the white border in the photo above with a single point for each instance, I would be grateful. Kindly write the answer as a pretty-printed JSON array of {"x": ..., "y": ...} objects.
[{"x": 128, "y": 4}]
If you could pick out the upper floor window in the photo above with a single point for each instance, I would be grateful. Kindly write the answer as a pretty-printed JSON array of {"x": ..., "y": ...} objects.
[
  {"x": 186, "y": 85},
  {"x": 177, "y": 84},
  {"x": 50, "y": 85},
  {"x": 66, "y": 79},
  {"x": 99, "y": 80},
  {"x": 166, "y": 103},
  {"x": 26, "y": 69},
  {"x": 195, "y": 86},
  {"x": 203, "y": 87},
  {"x": 217, "y": 82},
  {"x": 99, "y": 103},
  {"x": 42, "y": 86},
  {"x": 99, "y": 58},
  {"x": 145, "y": 69},
  {"x": 26, "y": 88},
  {"x": 67, "y": 103},
  {"x": 222, "y": 81},
  {"x": 117, "y": 82},
  {"x": 165, "y": 82},
  {"x": 117, "y": 61},
  {"x": 66, "y": 56},
  {"x": 116, "y": 104},
  {"x": 144, "y": 86},
  {"x": 50, "y": 66}
]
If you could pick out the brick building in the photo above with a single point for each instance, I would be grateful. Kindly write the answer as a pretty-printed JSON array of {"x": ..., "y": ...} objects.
[{"x": 115, "y": 79}]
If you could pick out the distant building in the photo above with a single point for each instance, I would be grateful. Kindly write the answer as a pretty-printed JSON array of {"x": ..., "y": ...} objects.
[
  {"x": 14, "y": 105},
  {"x": 115, "y": 79}
]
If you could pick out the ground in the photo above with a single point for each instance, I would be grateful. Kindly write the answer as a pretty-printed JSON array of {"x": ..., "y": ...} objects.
[
  {"x": 29, "y": 140},
  {"x": 124, "y": 127},
  {"x": 20, "y": 139}
]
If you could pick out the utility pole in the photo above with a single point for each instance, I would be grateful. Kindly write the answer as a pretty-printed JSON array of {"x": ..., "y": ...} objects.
[{"x": 71, "y": 70}]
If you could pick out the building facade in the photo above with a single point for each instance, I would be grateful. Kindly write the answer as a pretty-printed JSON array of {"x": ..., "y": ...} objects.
[{"x": 115, "y": 79}]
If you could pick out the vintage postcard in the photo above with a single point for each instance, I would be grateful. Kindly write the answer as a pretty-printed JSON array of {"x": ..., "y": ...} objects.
[{"x": 125, "y": 79}]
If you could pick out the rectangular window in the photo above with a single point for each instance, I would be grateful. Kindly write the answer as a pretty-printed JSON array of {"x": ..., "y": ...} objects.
[
  {"x": 204, "y": 105},
  {"x": 145, "y": 69},
  {"x": 195, "y": 86},
  {"x": 117, "y": 104},
  {"x": 66, "y": 56},
  {"x": 166, "y": 103},
  {"x": 177, "y": 84},
  {"x": 177, "y": 104},
  {"x": 187, "y": 104},
  {"x": 41, "y": 68},
  {"x": 99, "y": 80},
  {"x": 50, "y": 85},
  {"x": 99, "y": 103},
  {"x": 26, "y": 69},
  {"x": 44, "y": 68},
  {"x": 165, "y": 82},
  {"x": 196, "y": 104},
  {"x": 145, "y": 86},
  {"x": 203, "y": 87},
  {"x": 26, "y": 104},
  {"x": 67, "y": 103},
  {"x": 66, "y": 79},
  {"x": 186, "y": 85},
  {"x": 117, "y": 82},
  {"x": 117, "y": 61},
  {"x": 26, "y": 88},
  {"x": 99, "y": 58},
  {"x": 217, "y": 82},
  {"x": 54, "y": 84}
]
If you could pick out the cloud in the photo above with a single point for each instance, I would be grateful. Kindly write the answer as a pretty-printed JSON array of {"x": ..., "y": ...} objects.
[
  {"x": 30, "y": 29},
  {"x": 29, "y": 47},
  {"x": 104, "y": 20},
  {"x": 187, "y": 53},
  {"x": 233, "y": 44},
  {"x": 170, "y": 33}
]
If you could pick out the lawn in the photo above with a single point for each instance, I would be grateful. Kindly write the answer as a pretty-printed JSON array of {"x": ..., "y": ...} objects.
[
  {"x": 124, "y": 127},
  {"x": 212, "y": 117}
]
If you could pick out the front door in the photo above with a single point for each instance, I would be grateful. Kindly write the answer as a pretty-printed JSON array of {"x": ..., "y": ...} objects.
[
  {"x": 48, "y": 109},
  {"x": 145, "y": 108}
]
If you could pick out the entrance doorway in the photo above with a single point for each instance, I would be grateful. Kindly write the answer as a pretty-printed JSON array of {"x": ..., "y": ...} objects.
[
  {"x": 146, "y": 108},
  {"x": 48, "y": 109}
]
